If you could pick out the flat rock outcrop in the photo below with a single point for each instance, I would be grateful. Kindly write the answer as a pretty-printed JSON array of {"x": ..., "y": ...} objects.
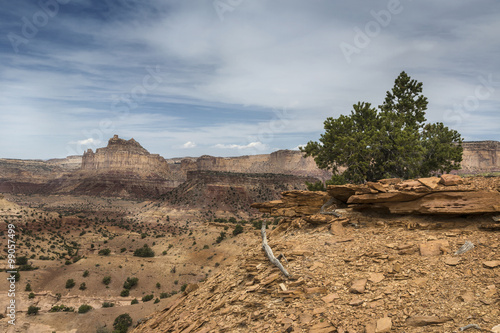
[{"x": 448, "y": 194}]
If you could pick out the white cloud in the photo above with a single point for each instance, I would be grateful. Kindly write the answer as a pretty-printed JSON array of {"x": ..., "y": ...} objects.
[
  {"x": 252, "y": 145},
  {"x": 86, "y": 142},
  {"x": 189, "y": 144}
]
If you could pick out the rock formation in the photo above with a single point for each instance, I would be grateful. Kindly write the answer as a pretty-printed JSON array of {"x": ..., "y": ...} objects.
[
  {"x": 287, "y": 162},
  {"x": 480, "y": 157},
  {"x": 125, "y": 156},
  {"x": 228, "y": 191},
  {"x": 443, "y": 196}
]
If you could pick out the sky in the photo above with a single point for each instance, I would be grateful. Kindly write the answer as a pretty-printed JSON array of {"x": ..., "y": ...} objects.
[{"x": 233, "y": 77}]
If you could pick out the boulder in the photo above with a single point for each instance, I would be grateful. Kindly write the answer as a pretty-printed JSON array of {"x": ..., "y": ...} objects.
[{"x": 451, "y": 180}]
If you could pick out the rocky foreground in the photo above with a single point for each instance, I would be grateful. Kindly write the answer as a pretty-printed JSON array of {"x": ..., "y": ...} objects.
[{"x": 352, "y": 272}]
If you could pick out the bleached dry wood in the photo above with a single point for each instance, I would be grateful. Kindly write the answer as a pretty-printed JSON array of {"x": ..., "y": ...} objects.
[{"x": 269, "y": 252}]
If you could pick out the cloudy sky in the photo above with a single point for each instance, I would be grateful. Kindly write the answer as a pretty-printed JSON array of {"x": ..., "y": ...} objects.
[{"x": 233, "y": 77}]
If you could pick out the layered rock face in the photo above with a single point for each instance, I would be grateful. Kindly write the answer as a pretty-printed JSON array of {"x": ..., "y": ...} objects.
[
  {"x": 440, "y": 196},
  {"x": 228, "y": 191},
  {"x": 122, "y": 155},
  {"x": 480, "y": 157},
  {"x": 280, "y": 162}
]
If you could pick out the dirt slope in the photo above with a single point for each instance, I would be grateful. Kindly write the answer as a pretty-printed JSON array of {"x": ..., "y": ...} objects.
[{"x": 375, "y": 270}]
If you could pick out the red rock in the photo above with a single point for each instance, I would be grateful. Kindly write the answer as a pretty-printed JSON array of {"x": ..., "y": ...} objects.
[
  {"x": 384, "y": 325},
  {"x": 358, "y": 286},
  {"x": 419, "y": 321},
  {"x": 330, "y": 297},
  {"x": 491, "y": 264},
  {"x": 451, "y": 180},
  {"x": 376, "y": 186},
  {"x": 430, "y": 182},
  {"x": 376, "y": 277},
  {"x": 433, "y": 248}
]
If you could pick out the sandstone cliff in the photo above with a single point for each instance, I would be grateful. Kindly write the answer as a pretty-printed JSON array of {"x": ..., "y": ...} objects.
[
  {"x": 125, "y": 156},
  {"x": 480, "y": 157},
  {"x": 280, "y": 162},
  {"x": 229, "y": 191}
]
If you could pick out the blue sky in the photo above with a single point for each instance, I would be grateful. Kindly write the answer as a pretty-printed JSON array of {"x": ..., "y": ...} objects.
[{"x": 233, "y": 77}]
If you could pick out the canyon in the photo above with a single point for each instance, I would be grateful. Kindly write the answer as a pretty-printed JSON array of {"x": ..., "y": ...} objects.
[{"x": 125, "y": 169}]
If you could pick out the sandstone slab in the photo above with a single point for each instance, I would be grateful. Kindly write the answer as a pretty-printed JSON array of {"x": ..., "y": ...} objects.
[
  {"x": 419, "y": 321},
  {"x": 358, "y": 286},
  {"x": 433, "y": 248},
  {"x": 384, "y": 325},
  {"x": 451, "y": 180}
]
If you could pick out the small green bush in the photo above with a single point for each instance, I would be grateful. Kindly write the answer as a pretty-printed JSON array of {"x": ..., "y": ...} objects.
[
  {"x": 104, "y": 252},
  {"x": 130, "y": 282},
  {"x": 147, "y": 298},
  {"x": 125, "y": 293},
  {"x": 70, "y": 283},
  {"x": 33, "y": 310},
  {"x": 122, "y": 323},
  {"x": 108, "y": 305},
  {"x": 106, "y": 280},
  {"x": 86, "y": 273},
  {"x": 238, "y": 229},
  {"x": 84, "y": 308},
  {"x": 144, "y": 252},
  {"x": 134, "y": 301}
]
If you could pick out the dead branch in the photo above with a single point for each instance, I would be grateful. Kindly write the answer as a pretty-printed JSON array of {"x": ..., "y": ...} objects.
[{"x": 269, "y": 252}]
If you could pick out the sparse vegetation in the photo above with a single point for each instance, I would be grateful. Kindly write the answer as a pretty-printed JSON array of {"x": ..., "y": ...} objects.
[
  {"x": 147, "y": 298},
  {"x": 70, "y": 283},
  {"x": 104, "y": 252},
  {"x": 106, "y": 280},
  {"x": 144, "y": 251},
  {"x": 84, "y": 308},
  {"x": 122, "y": 323},
  {"x": 33, "y": 310},
  {"x": 238, "y": 229}
]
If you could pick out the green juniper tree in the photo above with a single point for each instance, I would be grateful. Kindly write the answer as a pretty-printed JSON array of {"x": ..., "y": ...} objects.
[{"x": 394, "y": 141}]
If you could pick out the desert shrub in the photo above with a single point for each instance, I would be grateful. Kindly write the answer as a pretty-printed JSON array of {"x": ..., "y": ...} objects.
[
  {"x": 31, "y": 296},
  {"x": 62, "y": 308},
  {"x": 108, "y": 305},
  {"x": 70, "y": 283},
  {"x": 221, "y": 237},
  {"x": 183, "y": 287},
  {"x": 164, "y": 295},
  {"x": 125, "y": 293},
  {"x": 33, "y": 310},
  {"x": 83, "y": 286},
  {"x": 84, "y": 308},
  {"x": 86, "y": 273},
  {"x": 157, "y": 300},
  {"x": 104, "y": 252},
  {"x": 123, "y": 250},
  {"x": 147, "y": 298},
  {"x": 134, "y": 301},
  {"x": 144, "y": 251},
  {"x": 130, "y": 282},
  {"x": 106, "y": 280},
  {"x": 238, "y": 229},
  {"x": 28, "y": 287},
  {"x": 122, "y": 323}
]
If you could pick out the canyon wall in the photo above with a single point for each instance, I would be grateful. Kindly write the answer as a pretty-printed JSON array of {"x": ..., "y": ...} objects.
[
  {"x": 480, "y": 157},
  {"x": 125, "y": 168},
  {"x": 125, "y": 156},
  {"x": 280, "y": 162}
]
